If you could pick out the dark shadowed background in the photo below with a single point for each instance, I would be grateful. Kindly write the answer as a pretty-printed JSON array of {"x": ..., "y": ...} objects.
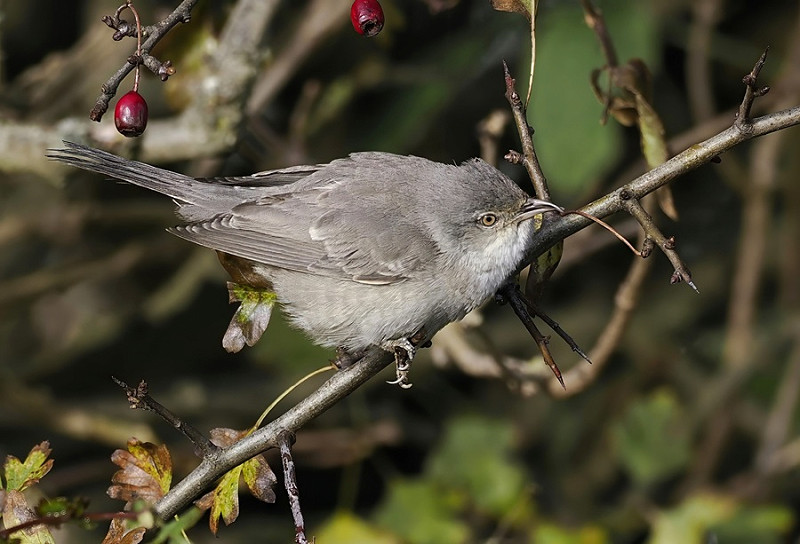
[{"x": 689, "y": 434}]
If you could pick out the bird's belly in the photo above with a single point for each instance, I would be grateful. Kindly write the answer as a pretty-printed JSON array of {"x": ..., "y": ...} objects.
[{"x": 343, "y": 313}]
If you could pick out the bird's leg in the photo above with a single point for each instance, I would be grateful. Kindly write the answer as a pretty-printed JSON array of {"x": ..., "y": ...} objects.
[
  {"x": 345, "y": 359},
  {"x": 404, "y": 350}
]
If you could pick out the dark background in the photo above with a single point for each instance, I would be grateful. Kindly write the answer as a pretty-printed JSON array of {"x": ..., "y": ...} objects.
[{"x": 688, "y": 434}]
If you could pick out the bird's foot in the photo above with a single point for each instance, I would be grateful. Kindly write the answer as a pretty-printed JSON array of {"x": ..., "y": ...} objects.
[{"x": 404, "y": 352}]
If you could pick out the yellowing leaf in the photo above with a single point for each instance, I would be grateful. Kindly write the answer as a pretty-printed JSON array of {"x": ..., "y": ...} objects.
[
  {"x": 146, "y": 472},
  {"x": 687, "y": 523},
  {"x": 21, "y": 475},
  {"x": 16, "y": 512},
  {"x": 259, "y": 478},
  {"x": 223, "y": 501}
]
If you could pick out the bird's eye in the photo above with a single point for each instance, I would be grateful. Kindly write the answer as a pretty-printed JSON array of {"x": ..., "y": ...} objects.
[{"x": 488, "y": 220}]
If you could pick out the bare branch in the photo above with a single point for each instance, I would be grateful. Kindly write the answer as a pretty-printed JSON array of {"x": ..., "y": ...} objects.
[
  {"x": 139, "y": 398},
  {"x": 328, "y": 394},
  {"x": 154, "y": 33},
  {"x": 686, "y": 161}
]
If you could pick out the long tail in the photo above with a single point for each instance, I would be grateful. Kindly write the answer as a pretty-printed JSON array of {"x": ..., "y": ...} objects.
[{"x": 178, "y": 186}]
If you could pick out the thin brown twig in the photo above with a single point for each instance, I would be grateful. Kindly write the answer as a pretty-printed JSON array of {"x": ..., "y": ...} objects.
[
  {"x": 665, "y": 244},
  {"x": 699, "y": 85},
  {"x": 580, "y": 377},
  {"x": 752, "y": 91},
  {"x": 528, "y": 157},
  {"x": 139, "y": 398},
  {"x": 58, "y": 520},
  {"x": 779, "y": 422},
  {"x": 609, "y": 228},
  {"x": 181, "y": 14}
]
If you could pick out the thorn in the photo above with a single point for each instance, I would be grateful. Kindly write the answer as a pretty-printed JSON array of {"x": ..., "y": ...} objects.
[
  {"x": 561, "y": 381},
  {"x": 580, "y": 352}
]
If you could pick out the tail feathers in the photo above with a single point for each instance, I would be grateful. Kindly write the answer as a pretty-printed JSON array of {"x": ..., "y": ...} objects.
[{"x": 182, "y": 188}]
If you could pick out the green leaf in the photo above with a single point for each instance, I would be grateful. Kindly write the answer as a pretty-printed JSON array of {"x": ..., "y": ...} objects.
[
  {"x": 21, "y": 475},
  {"x": 687, "y": 523},
  {"x": 762, "y": 524},
  {"x": 174, "y": 529},
  {"x": 345, "y": 528},
  {"x": 563, "y": 110},
  {"x": 652, "y": 438},
  {"x": 475, "y": 456},
  {"x": 546, "y": 533},
  {"x": 434, "y": 513},
  {"x": 224, "y": 500}
]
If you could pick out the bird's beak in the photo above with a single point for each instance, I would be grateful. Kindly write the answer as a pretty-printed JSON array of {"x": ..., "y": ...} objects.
[{"x": 534, "y": 206}]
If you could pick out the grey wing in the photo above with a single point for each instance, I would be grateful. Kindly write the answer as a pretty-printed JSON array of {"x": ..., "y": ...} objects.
[
  {"x": 336, "y": 243},
  {"x": 372, "y": 249}
]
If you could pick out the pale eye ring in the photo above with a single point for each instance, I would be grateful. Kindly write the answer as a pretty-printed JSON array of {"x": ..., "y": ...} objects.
[{"x": 488, "y": 219}]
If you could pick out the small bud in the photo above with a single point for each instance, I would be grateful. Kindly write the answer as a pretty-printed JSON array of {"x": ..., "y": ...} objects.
[
  {"x": 130, "y": 114},
  {"x": 367, "y": 17}
]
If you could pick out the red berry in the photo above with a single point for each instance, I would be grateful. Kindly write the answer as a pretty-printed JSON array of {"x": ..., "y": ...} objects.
[
  {"x": 130, "y": 115},
  {"x": 367, "y": 17}
]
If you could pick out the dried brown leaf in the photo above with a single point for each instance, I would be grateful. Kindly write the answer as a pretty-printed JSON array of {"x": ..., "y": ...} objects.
[
  {"x": 146, "y": 472},
  {"x": 119, "y": 533},
  {"x": 513, "y": 6}
]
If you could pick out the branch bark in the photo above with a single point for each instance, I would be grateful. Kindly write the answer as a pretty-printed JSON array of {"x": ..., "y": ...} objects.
[
  {"x": 689, "y": 159},
  {"x": 329, "y": 393}
]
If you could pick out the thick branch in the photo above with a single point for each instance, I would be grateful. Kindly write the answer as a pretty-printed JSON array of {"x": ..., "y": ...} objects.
[{"x": 329, "y": 393}]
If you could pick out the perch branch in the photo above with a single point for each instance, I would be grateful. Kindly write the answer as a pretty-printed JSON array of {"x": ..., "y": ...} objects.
[
  {"x": 689, "y": 159},
  {"x": 328, "y": 394}
]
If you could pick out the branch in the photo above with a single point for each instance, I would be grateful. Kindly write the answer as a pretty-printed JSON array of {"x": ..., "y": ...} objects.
[
  {"x": 139, "y": 398},
  {"x": 285, "y": 440},
  {"x": 181, "y": 14},
  {"x": 346, "y": 381},
  {"x": 686, "y": 161},
  {"x": 329, "y": 393}
]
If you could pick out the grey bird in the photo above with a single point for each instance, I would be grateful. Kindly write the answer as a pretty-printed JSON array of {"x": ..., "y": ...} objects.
[{"x": 374, "y": 249}]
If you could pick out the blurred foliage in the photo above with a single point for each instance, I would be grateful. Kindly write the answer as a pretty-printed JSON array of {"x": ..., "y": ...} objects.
[
  {"x": 681, "y": 439},
  {"x": 652, "y": 438}
]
